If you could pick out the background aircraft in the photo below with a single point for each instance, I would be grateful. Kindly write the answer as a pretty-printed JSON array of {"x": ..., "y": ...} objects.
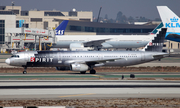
[
  {"x": 87, "y": 60},
  {"x": 74, "y": 42},
  {"x": 170, "y": 21}
]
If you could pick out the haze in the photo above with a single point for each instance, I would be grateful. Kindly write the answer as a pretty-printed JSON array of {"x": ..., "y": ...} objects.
[{"x": 134, "y": 8}]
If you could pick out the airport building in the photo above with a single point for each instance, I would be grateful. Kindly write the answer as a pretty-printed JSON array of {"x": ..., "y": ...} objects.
[
  {"x": 13, "y": 20},
  {"x": 106, "y": 28},
  {"x": 42, "y": 19}
]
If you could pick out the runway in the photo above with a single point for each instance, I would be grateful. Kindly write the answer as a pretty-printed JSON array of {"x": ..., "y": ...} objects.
[
  {"x": 98, "y": 76},
  {"x": 104, "y": 85},
  {"x": 88, "y": 89}
]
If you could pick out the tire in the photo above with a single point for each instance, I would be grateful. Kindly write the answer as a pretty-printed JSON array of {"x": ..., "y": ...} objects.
[
  {"x": 24, "y": 72},
  {"x": 92, "y": 71},
  {"x": 132, "y": 76}
]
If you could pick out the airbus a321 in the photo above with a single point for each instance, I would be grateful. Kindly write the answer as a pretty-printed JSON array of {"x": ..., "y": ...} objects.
[{"x": 86, "y": 60}]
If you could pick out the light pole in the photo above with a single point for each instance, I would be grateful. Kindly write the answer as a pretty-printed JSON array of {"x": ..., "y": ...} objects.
[{"x": 12, "y": 3}]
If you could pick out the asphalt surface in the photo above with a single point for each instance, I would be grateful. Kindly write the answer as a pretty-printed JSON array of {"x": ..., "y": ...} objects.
[
  {"x": 75, "y": 76},
  {"x": 88, "y": 89}
]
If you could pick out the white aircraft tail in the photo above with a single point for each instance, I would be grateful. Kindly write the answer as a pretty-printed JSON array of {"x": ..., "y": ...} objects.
[
  {"x": 168, "y": 17},
  {"x": 170, "y": 21}
]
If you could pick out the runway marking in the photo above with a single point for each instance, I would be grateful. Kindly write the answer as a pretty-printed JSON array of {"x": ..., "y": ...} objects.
[{"x": 77, "y": 95}]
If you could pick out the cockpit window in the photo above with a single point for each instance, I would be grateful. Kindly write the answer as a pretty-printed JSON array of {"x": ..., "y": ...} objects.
[{"x": 17, "y": 56}]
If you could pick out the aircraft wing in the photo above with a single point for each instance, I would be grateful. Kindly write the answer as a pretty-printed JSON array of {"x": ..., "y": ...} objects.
[
  {"x": 92, "y": 62},
  {"x": 94, "y": 43},
  {"x": 160, "y": 55}
]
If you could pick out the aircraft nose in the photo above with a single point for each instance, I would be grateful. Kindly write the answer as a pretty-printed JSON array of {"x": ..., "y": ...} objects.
[{"x": 7, "y": 61}]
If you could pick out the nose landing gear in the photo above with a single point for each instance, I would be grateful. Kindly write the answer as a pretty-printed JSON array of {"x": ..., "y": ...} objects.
[{"x": 24, "y": 72}]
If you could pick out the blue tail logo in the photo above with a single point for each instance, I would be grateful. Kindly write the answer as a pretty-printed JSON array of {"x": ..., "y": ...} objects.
[
  {"x": 174, "y": 23},
  {"x": 61, "y": 28}
]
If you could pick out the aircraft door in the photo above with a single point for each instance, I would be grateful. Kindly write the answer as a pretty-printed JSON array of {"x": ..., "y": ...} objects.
[
  {"x": 59, "y": 57},
  {"x": 100, "y": 56},
  {"x": 27, "y": 56},
  {"x": 142, "y": 56}
]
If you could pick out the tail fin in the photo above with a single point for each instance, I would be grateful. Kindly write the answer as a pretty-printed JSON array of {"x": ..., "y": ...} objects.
[
  {"x": 156, "y": 44},
  {"x": 156, "y": 29},
  {"x": 170, "y": 21},
  {"x": 61, "y": 28},
  {"x": 168, "y": 17}
]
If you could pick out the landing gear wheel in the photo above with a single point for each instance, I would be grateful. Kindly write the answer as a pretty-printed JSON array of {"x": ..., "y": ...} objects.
[
  {"x": 132, "y": 76},
  {"x": 92, "y": 71},
  {"x": 83, "y": 72},
  {"x": 24, "y": 72}
]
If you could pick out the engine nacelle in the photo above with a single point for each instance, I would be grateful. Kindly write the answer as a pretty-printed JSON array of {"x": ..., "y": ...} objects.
[
  {"x": 62, "y": 68},
  {"x": 79, "y": 67},
  {"x": 76, "y": 45}
]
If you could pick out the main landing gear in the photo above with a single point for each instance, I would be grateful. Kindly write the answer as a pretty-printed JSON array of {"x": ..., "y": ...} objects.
[
  {"x": 24, "y": 72},
  {"x": 92, "y": 71}
]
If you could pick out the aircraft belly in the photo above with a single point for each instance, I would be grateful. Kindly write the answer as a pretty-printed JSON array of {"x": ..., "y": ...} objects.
[{"x": 173, "y": 36}]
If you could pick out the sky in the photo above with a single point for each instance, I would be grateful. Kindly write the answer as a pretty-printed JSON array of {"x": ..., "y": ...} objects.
[{"x": 134, "y": 8}]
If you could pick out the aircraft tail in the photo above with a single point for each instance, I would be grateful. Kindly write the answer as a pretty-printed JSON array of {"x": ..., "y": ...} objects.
[
  {"x": 156, "y": 44},
  {"x": 155, "y": 31},
  {"x": 168, "y": 17},
  {"x": 170, "y": 21},
  {"x": 61, "y": 28}
]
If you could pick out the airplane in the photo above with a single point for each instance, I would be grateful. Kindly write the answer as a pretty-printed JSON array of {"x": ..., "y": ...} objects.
[
  {"x": 86, "y": 60},
  {"x": 170, "y": 21},
  {"x": 75, "y": 42}
]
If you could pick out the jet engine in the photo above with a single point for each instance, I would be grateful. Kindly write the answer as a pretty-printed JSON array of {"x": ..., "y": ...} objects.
[
  {"x": 76, "y": 45},
  {"x": 62, "y": 68},
  {"x": 79, "y": 67}
]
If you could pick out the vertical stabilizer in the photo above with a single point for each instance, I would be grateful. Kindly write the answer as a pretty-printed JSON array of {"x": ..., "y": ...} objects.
[
  {"x": 155, "y": 31},
  {"x": 156, "y": 44},
  {"x": 171, "y": 21},
  {"x": 168, "y": 17},
  {"x": 61, "y": 28}
]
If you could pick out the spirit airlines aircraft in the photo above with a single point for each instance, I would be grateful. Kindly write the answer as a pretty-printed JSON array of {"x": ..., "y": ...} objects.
[
  {"x": 170, "y": 21},
  {"x": 86, "y": 60},
  {"x": 101, "y": 41}
]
